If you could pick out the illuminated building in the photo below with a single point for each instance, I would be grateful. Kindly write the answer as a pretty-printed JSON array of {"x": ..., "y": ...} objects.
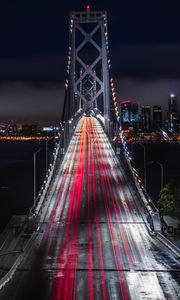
[
  {"x": 157, "y": 118},
  {"x": 146, "y": 118},
  {"x": 173, "y": 125},
  {"x": 135, "y": 117},
  {"x": 125, "y": 114},
  {"x": 130, "y": 115},
  {"x": 172, "y": 103},
  {"x": 173, "y": 116},
  {"x": 134, "y": 113}
]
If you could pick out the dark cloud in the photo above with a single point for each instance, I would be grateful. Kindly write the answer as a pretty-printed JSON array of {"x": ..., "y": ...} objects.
[
  {"x": 39, "y": 68},
  {"x": 34, "y": 92},
  {"x": 42, "y": 102},
  {"x": 32, "y": 103},
  {"x": 141, "y": 61},
  {"x": 30, "y": 28},
  {"x": 144, "y": 51},
  {"x": 146, "y": 61},
  {"x": 149, "y": 92}
]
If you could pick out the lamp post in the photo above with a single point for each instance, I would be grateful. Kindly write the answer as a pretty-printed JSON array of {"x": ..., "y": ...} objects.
[
  {"x": 35, "y": 153},
  {"x": 47, "y": 140},
  {"x": 144, "y": 149},
  {"x": 46, "y": 149},
  {"x": 46, "y": 155}
]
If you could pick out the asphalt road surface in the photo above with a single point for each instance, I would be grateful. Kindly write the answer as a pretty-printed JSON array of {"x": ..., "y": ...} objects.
[{"x": 92, "y": 241}]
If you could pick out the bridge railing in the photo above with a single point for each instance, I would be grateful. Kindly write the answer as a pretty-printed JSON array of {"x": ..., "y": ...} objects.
[
  {"x": 153, "y": 217},
  {"x": 35, "y": 209},
  {"x": 8, "y": 276},
  {"x": 168, "y": 243},
  {"x": 58, "y": 154}
]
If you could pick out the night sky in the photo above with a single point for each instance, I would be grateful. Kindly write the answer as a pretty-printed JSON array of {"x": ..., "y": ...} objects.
[{"x": 144, "y": 41}]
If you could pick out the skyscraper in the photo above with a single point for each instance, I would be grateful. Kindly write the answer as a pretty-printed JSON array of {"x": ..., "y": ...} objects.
[
  {"x": 130, "y": 115},
  {"x": 125, "y": 113},
  {"x": 173, "y": 119},
  {"x": 157, "y": 117},
  {"x": 172, "y": 103},
  {"x": 146, "y": 118},
  {"x": 134, "y": 113}
]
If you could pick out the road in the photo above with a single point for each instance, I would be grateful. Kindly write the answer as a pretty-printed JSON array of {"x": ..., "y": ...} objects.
[{"x": 92, "y": 242}]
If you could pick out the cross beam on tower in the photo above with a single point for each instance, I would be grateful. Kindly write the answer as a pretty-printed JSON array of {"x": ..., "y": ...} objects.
[{"x": 88, "y": 70}]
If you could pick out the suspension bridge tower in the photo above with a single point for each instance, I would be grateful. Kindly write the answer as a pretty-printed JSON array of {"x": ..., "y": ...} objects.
[{"x": 87, "y": 84}]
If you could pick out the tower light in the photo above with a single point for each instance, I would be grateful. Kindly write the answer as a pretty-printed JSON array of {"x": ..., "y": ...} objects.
[{"x": 88, "y": 7}]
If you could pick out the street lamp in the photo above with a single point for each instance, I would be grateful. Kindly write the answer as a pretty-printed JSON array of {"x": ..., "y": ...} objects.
[
  {"x": 35, "y": 153},
  {"x": 144, "y": 149},
  {"x": 47, "y": 140},
  {"x": 46, "y": 155},
  {"x": 46, "y": 148}
]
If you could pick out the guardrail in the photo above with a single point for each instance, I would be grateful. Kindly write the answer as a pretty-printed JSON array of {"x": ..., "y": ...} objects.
[
  {"x": 8, "y": 276},
  {"x": 168, "y": 244},
  {"x": 67, "y": 132},
  {"x": 152, "y": 211},
  {"x": 49, "y": 175},
  {"x": 37, "y": 207},
  {"x": 34, "y": 212}
]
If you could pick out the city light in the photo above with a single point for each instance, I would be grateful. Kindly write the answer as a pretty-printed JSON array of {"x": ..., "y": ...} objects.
[{"x": 172, "y": 95}]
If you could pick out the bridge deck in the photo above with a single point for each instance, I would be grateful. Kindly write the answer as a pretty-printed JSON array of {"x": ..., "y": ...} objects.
[{"x": 92, "y": 242}]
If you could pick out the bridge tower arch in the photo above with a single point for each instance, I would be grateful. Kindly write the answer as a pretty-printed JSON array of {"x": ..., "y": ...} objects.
[{"x": 87, "y": 86}]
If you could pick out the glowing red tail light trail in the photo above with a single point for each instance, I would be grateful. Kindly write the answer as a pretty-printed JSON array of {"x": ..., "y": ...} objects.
[{"x": 95, "y": 234}]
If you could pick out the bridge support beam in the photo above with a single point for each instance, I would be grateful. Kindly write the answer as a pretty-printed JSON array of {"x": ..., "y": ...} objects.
[{"x": 88, "y": 75}]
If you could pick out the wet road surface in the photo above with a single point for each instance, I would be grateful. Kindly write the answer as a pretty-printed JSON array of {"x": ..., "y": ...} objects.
[{"x": 92, "y": 242}]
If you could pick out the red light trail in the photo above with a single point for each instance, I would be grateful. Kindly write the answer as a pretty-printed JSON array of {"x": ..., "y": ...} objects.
[
  {"x": 88, "y": 7},
  {"x": 92, "y": 205},
  {"x": 69, "y": 253}
]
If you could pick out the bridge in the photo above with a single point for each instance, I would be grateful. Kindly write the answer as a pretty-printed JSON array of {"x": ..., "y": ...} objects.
[{"x": 92, "y": 232}]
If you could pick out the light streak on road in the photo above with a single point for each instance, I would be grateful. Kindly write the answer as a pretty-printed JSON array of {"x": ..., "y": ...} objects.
[
  {"x": 89, "y": 237},
  {"x": 97, "y": 181},
  {"x": 97, "y": 223},
  {"x": 69, "y": 253},
  {"x": 94, "y": 238}
]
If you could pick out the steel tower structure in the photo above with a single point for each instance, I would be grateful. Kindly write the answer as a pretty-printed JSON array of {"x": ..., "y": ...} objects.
[{"x": 87, "y": 85}]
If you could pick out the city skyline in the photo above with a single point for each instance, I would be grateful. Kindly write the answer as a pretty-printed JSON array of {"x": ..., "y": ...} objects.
[{"x": 134, "y": 114}]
